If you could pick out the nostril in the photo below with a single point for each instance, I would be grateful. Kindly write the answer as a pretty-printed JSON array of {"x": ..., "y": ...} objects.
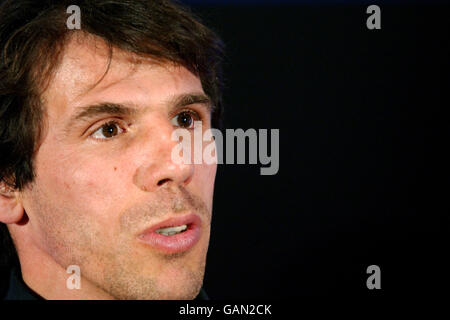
[{"x": 161, "y": 182}]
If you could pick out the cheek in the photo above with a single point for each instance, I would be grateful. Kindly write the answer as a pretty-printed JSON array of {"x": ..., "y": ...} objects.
[
  {"x": 206, "y": 177},
  {"x": 82, "y": 183},
  {"x": 78, "y": 197}
]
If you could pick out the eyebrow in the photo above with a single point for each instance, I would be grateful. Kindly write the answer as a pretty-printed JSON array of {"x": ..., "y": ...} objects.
[{"x": 118, "y": 109}]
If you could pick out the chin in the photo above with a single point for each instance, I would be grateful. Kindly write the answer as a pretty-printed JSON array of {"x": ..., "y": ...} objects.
[
  {"x": 181, "y": 293},
  {"x": 182, "y": 285}
]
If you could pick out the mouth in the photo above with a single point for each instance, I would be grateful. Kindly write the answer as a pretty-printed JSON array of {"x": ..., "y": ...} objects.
[
  {"x": 170, "y": 231},
  {"x": 174, "y": 235}
]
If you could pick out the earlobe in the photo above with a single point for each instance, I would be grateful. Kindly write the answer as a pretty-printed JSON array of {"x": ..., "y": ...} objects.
[{"x": 11, "y": 210}]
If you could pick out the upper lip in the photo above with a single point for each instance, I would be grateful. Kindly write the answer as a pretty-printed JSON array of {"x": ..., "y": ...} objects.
[{"x": 187, "y": 219}]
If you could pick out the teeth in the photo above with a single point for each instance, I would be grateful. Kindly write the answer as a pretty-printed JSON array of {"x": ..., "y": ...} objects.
[{"x": 172, "y": 230}]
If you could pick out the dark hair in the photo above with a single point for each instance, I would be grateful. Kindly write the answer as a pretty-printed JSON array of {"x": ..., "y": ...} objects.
[{"x": 32, "y": 37}]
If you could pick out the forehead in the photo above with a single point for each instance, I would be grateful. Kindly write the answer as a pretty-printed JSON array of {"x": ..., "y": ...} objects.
[{"x": 86, "y": 74}]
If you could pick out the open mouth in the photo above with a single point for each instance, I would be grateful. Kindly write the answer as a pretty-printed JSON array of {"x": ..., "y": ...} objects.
[
  {"x": 170, "y": 231},
  {"x": 174, "y": 235}
]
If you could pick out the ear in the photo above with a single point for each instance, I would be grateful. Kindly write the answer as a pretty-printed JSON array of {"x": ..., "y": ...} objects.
[{"x": 11, "y": 210}]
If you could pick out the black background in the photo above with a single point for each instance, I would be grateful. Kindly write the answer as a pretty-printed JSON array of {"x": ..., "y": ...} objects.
[{"x": 361, "y": 177}]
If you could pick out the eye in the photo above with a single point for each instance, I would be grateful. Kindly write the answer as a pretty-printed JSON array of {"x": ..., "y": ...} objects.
[
  {"x": 108, "y": 131},
  {"x": 185, "y": 119}
]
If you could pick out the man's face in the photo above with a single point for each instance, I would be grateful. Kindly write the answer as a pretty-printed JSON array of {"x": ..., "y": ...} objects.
[{"x": 104, "y": 176}]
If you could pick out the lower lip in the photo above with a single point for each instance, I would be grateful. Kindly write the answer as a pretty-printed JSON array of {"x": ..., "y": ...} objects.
[{"x": 176, "y": 243}]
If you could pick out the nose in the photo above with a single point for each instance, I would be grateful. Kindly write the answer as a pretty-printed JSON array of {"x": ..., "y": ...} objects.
[{"x": 158, "y": 170}]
